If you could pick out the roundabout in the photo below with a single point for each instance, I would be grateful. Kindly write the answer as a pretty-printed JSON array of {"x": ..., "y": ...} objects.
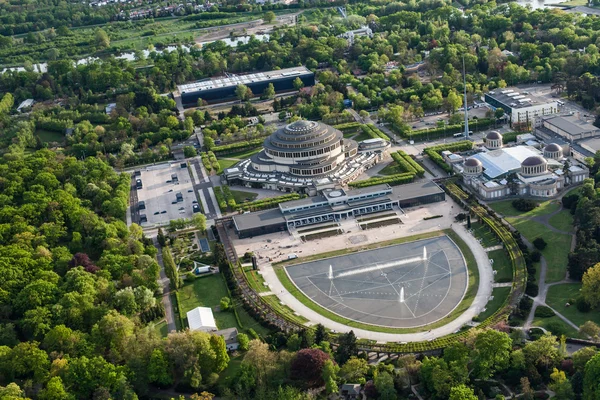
[{"x": 406, "y": 285}]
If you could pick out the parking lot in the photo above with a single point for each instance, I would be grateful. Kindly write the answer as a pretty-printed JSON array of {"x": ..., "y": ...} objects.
[{"x": 167, "y": 193}]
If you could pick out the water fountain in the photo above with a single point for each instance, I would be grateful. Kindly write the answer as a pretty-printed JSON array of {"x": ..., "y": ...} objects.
[
  {"x": 330, "y": 274},
  {"x": 402, "y": 294},
  {"x": 424, "y": 253}
]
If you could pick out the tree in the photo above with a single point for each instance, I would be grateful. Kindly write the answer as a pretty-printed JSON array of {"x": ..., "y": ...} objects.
[
  {"x": 454, "y": 101},
  {"x": 542, "y": 353},
  {"x": 199, "y": 221},
  {"x": 225, "y": 303},
  {"x": 499, "y": 113},
  {"x": 384, "y": 383},
  {"x": 591, "y": 388},
  {"x": 158, "y": 369},
  {"x": 243, "y": 92},
  {"x": 354, "y": 370},
  {"x": 346, "y": 347},
  {"x": 590, "y": 289},
  {"x": 102, "y": 39},
  {"x": 189, "y": 151},
  {"x": 243, "y": 341},
  {"x": 298, "y": 84},
  {"x": 462, "y": 392},
  {"x": 492, "y": 353},
  {"x": 540, "y": 243},
  {"x": 561, "y": 385},
  {"x": 162, "y": 240},
  {"x": 294, "y": 342},
  {"x": 582, "y": 356},
  {"x": 526, "y": 389},
  {"x": 307, "y": 367},
  {"x": 269, "y": 17},
  {"x": 54, "y": 390},
  {"x": 269, "y": 92},
  {"x": 330, "y": 371},
  {"x": 320, "y": 333},
  {"x": 590, "y": 329}
]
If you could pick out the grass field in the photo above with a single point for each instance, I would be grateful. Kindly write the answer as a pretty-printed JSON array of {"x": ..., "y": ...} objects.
[
  {"x": 557, "y": 326},
  {"x": 228, "y": 375},
  {"x": 242, "y": 155},
  {"x": 241, "y": 196},
  {"x": 391, "y": 169},
  {"x": 559, "y": 295},
  {"x": 502, "y": 265},
  {"x": 49, "y": 136},
  {"x": 556, "y": 252},
  {"x": 562, "y": 221},
  {"x": 361, "y": 136},
  {"x": 500, "y": 294},
  {"x": 226, "y": 163},
  {"x": 461, "y": 308},
  {"x": 284, "y": 310},
  {"x": 255, "y": 280},
  {"x": 574, "y": 3},
  {"x": 160, "y": 327},
  {"x": 483, "y": 232},
  {"x": 506, "y": 209}
]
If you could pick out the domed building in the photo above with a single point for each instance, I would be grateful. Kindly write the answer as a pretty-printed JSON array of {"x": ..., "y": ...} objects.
[
  {"x": 493, "y": 140},
  {"x": 473, "y": 166},
  {"x": 534, "y": 166},
  {"x": 305, "y": 156},
  {"x": 553, "y": 151}
]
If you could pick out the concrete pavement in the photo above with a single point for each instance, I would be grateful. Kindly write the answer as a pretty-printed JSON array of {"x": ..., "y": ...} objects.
[{"x": 483, "y": 293}]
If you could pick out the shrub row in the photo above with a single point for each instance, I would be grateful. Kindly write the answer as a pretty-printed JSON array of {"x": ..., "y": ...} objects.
[
  {"x": 229, "y": 197},
  {"x": 436, "y": 133},
  {"x": 265, "y": 204},
  {"x": 434, "y": 152},
  {"x": 220, "y": 198},
  {"x": 348, "y": 127},
  {"x": 238, "y": 146},
  {"x": 403, "y": 164},
  {"x": 375, "y": 133},
  {"x": 415, "y": 165},
  {"x": 432, "y": 217},
  {"x": 392, "y": 180}
]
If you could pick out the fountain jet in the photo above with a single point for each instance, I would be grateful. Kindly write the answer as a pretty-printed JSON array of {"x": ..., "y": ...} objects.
[
  {"x": 424, "y": 253},
  {"x": 402, "y": 294},
  {"x": 330, "y": 274}
]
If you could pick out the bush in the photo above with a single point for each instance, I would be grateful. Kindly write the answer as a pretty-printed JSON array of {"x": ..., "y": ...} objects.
[
  {"x": 532, "y": 289},
  {"x": 556, "y": 328},
  {"x": 225, "y": 303},
  {"x": 544, "y": 312},
  {"x": 524, "y": 205},
  {"x": 525, "y": 304},
  {"x": 536, "y": 256},
  {"x": 535, "y": 333},
  {"x": 392, "y": 180},
  {"x": 540, "y": 243},
  {"x": 582, "y": 305}
]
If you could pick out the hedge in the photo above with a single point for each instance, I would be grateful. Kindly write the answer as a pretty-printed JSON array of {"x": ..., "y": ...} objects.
[
  {"x": 403, "y": 164},
  {"x": 434, "y": 152},
  {"x": 348, "y": 127},
  {"x": 373, "y": 132},
  {"x": 220, "y": 198},
  {"x": 435, "y": 133},
  {"x": 233, "y": 147},
  {"x": 265, "y": 204},
  {"x": 229, "y": 197},
  {"x": 415, "y": 165},
  {"x": 392, "y": 180},
  {"x": 206, "y": 162}
]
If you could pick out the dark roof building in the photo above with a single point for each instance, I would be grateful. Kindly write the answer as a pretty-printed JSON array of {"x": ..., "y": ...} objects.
[{"x": 220, "y": 89}]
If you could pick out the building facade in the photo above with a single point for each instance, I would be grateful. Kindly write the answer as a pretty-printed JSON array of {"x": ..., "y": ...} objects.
[
  {"x": 221, "y": 89},
  {"x": 521, "y": 107}
]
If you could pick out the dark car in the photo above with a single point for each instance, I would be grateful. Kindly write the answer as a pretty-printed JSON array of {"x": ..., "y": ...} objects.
[
  {"x": 170, "y": 190},
  {"x": 190, "y": 191},
  {"x": 163, "y": 212},
  {"x": 174, "y": 202},
  {"x": 156, "y": 213},
  {"x": 196, "y": 208}
]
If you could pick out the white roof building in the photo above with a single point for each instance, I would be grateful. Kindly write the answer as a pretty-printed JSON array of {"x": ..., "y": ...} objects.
[{"x": 201, "y": 319}]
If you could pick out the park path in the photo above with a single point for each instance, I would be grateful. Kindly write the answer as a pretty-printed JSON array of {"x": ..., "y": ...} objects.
[
  {"x": 540, "y": 299},
  {"x": 484, "y": 291},
  {"x": 165, "y": 283}
]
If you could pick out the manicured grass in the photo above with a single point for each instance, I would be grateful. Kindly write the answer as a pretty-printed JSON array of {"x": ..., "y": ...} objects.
[
  {"x": 461, "y": 308},
  {"x": 160, "y": 327},
  {"x": 241, "y": 196},
  {"x": 556, "y": 252},
  {"x": 573, "y": 3},
  {"x": 284, "y": 310},
  {"x": 483, "y": 232},
  {"x": 391, "y": 169},
  {"x": 248, "y": 321},
  {"x": 562, "y": 221},
  {"x": 228, "y": 375},
  {"x": 50, "y": 136},
  {"x": 500, "y": 294},
  {"x": 242, "y": 155},
  {"x": 226, "y": 163},
  {"x": 559, "y": 295},
  {"x": 361, "y": 136},
  {"x": 502, "y": 265},
  {"x": 552, "y": 322},
  {"x": 506, "y": 209},
  {"x": 255, "y": 280},
  {"x": 207, "y": 292}
]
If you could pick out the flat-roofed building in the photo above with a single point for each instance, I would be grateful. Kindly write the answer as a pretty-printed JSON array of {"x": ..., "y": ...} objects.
[
  {"x": 569, "y": 127},
  {"x": 335, "y": 205},
  {"x": 521, "y": 107},
  {"x": 221, "y": 89},
  {"x": 201, "y": 319}
]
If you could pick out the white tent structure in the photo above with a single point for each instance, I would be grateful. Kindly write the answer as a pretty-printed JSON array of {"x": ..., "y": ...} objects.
[{"x": 201, "y": 319}]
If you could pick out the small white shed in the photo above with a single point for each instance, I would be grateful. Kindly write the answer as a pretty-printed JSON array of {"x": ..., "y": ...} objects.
[{"x": 201, "y": 319}]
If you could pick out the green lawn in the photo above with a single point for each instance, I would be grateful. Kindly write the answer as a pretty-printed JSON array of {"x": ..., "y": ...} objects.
[
  {"x": 242, "y": 155},
  {"x": 283, "y": 310},
  {"x": 557, "y": 326},
  {"x": 255, "y": 280},
  {"x": 500, "y": 294},
  {"x": 506, "y": 209},
  {"x": 391, "y": 169},
  {"x": 461, "y": 308},
  {"x": 160, "y": 327},
  {"x": 50, "y": 136},
  {"x": 562, "y": 221},
  {"x": 483, "y": 232},
  {"x": 574, "y": 3},
  {"x": 502, "y": 265},
  {"x": 556, "y": 252},
  {"x": 559, "y": 295},
  {"x": 361, "y": 136},
  {"x": 228, "y": 375},
  {"x": 241, "y": 196},
  {"x": 226, "y": 163}
]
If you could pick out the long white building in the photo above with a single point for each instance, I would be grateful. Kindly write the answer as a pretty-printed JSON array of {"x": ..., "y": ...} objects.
[{"x": 521, "y": 107}]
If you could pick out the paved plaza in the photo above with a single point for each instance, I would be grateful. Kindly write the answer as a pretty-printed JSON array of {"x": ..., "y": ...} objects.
[{"x": 401, "y": 286}]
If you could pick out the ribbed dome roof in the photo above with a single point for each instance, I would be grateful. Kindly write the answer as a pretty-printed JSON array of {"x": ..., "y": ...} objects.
[
  {"x": 472, "y": 162},
  {"x": 532, "y": 161},
  {"x": 493, "y": 135},
  {"x": 552, "y": 148},
  {"x": 299, "y": 127}
]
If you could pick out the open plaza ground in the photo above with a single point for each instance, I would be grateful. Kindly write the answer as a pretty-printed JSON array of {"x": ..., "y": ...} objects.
[
  {"x": 159, "y": 193},
  {"x": 405, "y": 285}
]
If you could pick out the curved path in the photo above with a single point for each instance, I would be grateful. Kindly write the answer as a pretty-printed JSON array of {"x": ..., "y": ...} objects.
[{"x": 483, "y": 293}]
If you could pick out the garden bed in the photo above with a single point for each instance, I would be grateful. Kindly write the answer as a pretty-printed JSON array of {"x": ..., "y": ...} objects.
[
  {"x": 321, "y": 235},
  {"x": 317, "y": 228},
  {"x": 375, "y": 216},
  {"x": 378, "y": 224}
]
